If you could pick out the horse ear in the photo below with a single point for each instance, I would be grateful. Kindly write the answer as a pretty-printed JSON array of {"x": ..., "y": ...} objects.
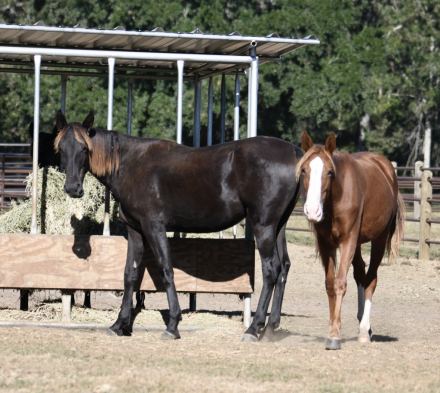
[
  {"x": 31, "y": 130},
  {"x": 330, "y": 143},
  {"x": 307, "y": 142},
  {"x": 61, "y": 121},
  {"x": 89, "y": 120}
]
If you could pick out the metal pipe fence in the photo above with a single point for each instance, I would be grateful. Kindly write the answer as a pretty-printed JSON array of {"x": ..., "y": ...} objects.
[{"x": 15, "y": 168}]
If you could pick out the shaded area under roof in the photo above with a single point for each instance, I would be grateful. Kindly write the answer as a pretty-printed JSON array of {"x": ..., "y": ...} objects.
[{"x": 268, "y": 48}]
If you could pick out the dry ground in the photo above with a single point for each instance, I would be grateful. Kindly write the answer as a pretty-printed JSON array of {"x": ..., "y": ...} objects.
[{"x": 403, "y": 357}]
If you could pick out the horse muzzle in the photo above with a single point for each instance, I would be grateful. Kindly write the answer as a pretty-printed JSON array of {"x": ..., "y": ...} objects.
[
  {"x": 313, "y": 213},
  {"x": 74, "y": 190}
]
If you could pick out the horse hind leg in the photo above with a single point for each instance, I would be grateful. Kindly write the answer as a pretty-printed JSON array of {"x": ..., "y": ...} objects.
[
  {"x": 359, "y": 277},
  {"x": 271, "y": 267},
  {"x": 377, "y": 252},
  {"x": 278, "y": 295}
]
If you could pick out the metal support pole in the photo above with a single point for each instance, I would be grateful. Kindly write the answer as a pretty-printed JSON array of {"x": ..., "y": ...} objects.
[
  {"x": 66, "y": 300},
  {"x": 237, "y": 108},
  {"x": 247, "y": 311},
  {"x": 417, "y": 188},
  {"x": 180, "y": 66},
  {"x": 63, "y": 102},
  {"x": 129, "y": 105},
  {"x": 223, "y": 111},
  {"x": 254, "y": 96},
  {"x": 37, "y": 61},
  {"x": 252, "y": 116},
  {"x": 197, "y": 109},
  {"x": 63, "y": 93},
  {"x": 236, "y": 123},
  {"x": 111, "y": 78},
  {"x": 210, "y": 105},
  {"x": 249, "y": 102}
]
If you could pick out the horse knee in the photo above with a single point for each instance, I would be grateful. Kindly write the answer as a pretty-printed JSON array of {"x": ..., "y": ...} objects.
[{"x": 340, "y": 286}]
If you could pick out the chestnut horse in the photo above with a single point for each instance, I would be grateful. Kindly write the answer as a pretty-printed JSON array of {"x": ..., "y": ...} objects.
[
  {"x": 162, "y": 187},
  {"x": 350, "y": 200}
]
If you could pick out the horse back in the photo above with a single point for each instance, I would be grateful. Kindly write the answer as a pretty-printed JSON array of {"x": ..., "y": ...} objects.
[{"x": 212, "y": 186}]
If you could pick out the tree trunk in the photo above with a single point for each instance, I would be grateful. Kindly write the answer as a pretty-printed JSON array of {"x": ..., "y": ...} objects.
[
  {"x": 363, "y": 125},
  {"x": 427, "y": 142}
]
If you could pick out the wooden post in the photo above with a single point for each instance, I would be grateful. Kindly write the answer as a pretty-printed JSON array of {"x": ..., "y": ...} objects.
[
  {"x": 66, "y": 299},
  {"x": 425, "y": 214},
  {"x": 192, "y": 302},
  {"x": 24, "y": 299},
  {"x": 417, "y": 188}
]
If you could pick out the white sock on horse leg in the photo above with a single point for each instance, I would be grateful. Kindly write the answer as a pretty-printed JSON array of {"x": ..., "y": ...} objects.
[{"x": 365, "y": 326}]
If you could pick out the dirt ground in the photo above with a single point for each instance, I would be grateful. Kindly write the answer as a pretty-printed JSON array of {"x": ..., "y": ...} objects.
[{"x": 403, "y": 357}]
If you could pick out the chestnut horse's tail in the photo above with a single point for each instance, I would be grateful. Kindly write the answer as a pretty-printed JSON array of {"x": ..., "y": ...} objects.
[{"x": 396, "y": 231}]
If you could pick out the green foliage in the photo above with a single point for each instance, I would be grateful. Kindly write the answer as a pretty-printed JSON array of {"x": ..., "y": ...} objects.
[{"x": 376, "y": 58}]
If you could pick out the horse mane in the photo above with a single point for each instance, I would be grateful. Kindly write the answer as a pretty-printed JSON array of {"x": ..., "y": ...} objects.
[
  {"x": 102, "y": 146},
  {"x": 315, "y": 149}
]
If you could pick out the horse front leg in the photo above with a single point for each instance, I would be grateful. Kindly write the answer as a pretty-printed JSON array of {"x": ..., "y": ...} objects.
[
  {"x": 161, "y": 248},
  {"x": 132, "y": 270},
  {"x": 348, "y": 248}
]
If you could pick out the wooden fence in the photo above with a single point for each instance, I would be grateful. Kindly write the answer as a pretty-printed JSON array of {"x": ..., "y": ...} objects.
[{"x": 421, "y": 193}]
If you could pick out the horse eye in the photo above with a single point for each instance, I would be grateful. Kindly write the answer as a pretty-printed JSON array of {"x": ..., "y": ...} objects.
[
  {"x": 329, "y": 173},
  {"x": 303, "y": 171},
  {"x": 84, "y": 149}
]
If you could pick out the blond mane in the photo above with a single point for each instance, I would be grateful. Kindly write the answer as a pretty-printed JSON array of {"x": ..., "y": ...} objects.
[
  {"x": 314, "y": 150},
  {"x": 103, "y": 159}
]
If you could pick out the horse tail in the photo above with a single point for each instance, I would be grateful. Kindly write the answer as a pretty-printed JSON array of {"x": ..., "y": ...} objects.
[{"x": 396, "y": 231}]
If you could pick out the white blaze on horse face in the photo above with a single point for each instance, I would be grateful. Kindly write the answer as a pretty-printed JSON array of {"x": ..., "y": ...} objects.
[{"x": 313, "y": 205}]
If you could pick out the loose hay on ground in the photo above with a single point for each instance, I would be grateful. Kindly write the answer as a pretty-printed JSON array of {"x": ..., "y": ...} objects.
[{"x": 52, "y": 312}]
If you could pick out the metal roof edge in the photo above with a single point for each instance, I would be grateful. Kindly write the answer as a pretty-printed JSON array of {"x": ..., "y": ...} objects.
[{"x": 306, "y": 40}]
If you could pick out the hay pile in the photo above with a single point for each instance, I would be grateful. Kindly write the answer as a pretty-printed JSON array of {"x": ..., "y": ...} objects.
[{"x": 59, "y": 214}]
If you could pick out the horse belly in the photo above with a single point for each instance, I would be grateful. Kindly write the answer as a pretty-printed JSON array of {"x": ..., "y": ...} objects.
[
  {"x": 203, "y": 218},
  {"x": 377, "y": 214}
]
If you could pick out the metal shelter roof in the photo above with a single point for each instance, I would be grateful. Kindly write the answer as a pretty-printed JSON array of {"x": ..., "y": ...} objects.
[{"x": 269, "y": 48}]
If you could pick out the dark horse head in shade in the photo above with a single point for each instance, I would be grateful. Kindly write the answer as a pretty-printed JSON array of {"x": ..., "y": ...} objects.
[
  {"x": 47, "y": 156},
  {"x": 162, "y": 187}
]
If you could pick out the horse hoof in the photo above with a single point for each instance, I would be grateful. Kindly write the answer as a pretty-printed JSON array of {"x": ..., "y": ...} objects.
[
  {"x": 364, "y": 339},
  {"x": 332, "y": 343},
  {"x": 249, "y": 338},
  {"x": 166, "y": 335},
  {"x": 110, "y": 332}
]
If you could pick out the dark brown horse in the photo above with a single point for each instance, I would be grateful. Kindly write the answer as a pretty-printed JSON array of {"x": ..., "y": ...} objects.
[
  {"x": 162, "y": 187},
  {"x": 47, "y": 156},
  {"x": 351, "y": 200},
  {"x": 46, "y": 152}
]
